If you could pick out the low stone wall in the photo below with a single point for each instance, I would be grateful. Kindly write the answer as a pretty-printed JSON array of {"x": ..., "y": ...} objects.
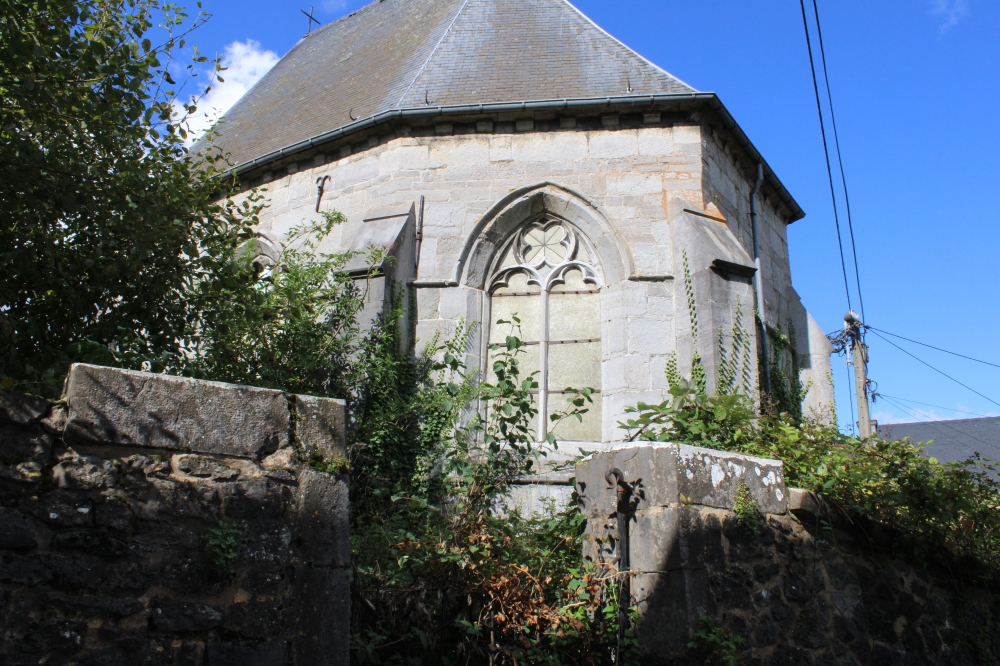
[
  {"x": 150, "y": 519},
  {"x": 797, "y": 584}
]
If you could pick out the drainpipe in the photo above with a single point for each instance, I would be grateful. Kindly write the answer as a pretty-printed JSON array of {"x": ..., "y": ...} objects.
[{"x": 758, "y": 282}]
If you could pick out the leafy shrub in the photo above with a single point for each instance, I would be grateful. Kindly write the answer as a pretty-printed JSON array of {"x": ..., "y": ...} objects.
[
  {"x": 746, "y": 510},
  {"x": 720, "y": 645},
  {"x": 291, "y": 326},
  {"x": 690, "y": 416},
  {"x": 449, "y": 574},
  {"x": 939, "y": 509},
  {"x": 949, "y": 509},
  {"x": 331, "y": 465},
  {"x": 222, "y": 546},
  {"x": 108, "y": 223}
]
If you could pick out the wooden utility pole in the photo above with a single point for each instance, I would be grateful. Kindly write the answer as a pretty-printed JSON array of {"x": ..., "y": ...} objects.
[{"x": 859, "y": 354}]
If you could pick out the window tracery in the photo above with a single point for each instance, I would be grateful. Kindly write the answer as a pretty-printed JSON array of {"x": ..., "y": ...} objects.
[{"x": 548, "y": 274}]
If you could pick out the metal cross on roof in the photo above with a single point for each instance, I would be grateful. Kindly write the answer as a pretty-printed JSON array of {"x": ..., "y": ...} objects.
[{"x": 311, "y": 20}]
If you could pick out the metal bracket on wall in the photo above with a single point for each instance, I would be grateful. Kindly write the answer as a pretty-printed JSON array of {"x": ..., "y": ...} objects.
[{"x": 320, "y": 186}]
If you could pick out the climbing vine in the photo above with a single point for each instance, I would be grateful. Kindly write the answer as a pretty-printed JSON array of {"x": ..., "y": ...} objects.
[{"x": 786, "y": 388}]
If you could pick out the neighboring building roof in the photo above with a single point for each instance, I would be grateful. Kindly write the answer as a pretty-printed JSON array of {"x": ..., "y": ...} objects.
[
  {"x": 953, "y": 440},
  {"x": 400, "y": 54}
]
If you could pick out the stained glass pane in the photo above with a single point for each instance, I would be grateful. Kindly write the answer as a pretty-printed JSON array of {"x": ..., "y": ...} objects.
[
  {"x": 574, "y": 316},
  {"x": 527, "y": 361},
  {"x": 576, "y": 365},
  {"x": 527, "y": 308},
  {"x": 550, "y": 243},
  {"x": 570, "y": 429}
]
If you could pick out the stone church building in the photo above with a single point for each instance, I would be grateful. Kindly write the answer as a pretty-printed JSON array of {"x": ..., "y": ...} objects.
[{"x": 516, "y": 158}]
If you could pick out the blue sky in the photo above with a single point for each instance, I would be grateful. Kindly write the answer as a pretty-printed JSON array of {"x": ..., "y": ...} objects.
[{"x": 916, "y": 90}]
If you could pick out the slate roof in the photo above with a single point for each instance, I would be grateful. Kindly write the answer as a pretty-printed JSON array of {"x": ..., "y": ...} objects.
[
  {"x": 953, "y": 440},
  {"x": 398, "y": 54}
]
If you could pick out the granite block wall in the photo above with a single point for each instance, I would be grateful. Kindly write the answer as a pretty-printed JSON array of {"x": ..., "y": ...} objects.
[{"x": 149, "y": 519}]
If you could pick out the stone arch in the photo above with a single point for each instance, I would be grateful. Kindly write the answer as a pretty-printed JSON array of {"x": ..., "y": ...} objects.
[{"x": 499, "y": 222}]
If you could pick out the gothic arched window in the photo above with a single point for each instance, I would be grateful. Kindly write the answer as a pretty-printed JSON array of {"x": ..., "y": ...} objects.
[{"x": 549, "y": 276}]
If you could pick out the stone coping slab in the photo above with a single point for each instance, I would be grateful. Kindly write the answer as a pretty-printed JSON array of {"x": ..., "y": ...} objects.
[
  {"x": 679, "y": 474},
  {"x": 132, "y": 408},
  {"x": 320, "y": 426}
]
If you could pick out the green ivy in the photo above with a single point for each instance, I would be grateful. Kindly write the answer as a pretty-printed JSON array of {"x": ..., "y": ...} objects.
[{"x": 786, "y": 388}]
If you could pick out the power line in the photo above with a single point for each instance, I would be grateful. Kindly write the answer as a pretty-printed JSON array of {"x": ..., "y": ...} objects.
[
  {"x": 840, "y": 161},
  {"x": 935, "y": 369},
  {"x": 924, "y": 344},
  {"x": 927, "y": 404},
  {"x": 932, "y": 425},
  {"x": 826, "y": 152}
]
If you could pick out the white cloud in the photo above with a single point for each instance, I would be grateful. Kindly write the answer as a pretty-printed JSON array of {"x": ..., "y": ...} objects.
[
  {"x": 334, "y": 5},
  {"x": 952, "y": 11},
  {"x": 245, "y": 64},
  {"x": 886, "y": 417},
  {"x": 892, "y": 413}
]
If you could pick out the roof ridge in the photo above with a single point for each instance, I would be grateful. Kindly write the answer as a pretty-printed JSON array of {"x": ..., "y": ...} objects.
[
  {"x": 626, "y": 46},
  {"x": 430, "y": 56}
]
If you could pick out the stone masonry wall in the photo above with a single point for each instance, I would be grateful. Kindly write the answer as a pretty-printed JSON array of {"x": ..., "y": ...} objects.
[
  {"x": 631, "y": 176},
  {"x": 727, "y": 179},
  {"x": 797, "y": 584},
  {"x": 635, "y": 180},
  {"x": 107, "y": 503}
]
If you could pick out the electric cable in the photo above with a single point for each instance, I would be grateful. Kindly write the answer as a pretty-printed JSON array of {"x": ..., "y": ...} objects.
[
  {"x": 924, "y": 344},
  {"x": 826, "y": 152},
  {"x": 933, "y": 426},
  {"x": 840, "y": 161},
  {"x": 935, "y": 369},
  {"x": 927, "y": 404}
]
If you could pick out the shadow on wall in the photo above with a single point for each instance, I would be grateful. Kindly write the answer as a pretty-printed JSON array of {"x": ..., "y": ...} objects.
[{"x": 717, "y": 546}]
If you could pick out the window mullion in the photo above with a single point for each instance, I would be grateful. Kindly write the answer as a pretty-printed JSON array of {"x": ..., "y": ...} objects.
[{"x": 543, "y": 365}]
